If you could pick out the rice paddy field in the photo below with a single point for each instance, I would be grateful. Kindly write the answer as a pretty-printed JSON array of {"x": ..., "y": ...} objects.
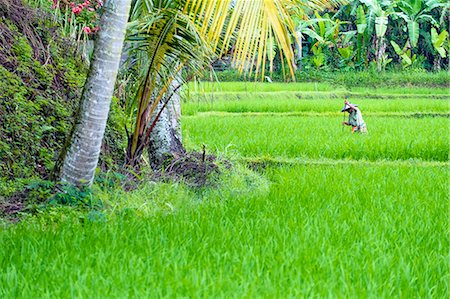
[{"x": 306, "y": 210}]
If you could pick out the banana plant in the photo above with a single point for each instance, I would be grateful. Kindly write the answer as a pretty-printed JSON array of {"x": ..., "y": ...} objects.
[
  {"x": 326, "y": 35},
  {"x": 347, "y": 54},
  {"x": 404, "y": 53},
  {"x": 318, "y": 58},
  {"x": 415, "y": 12},
  {"x": 345, "y": 47},
  {"x": 361, "y": 22},
  {"x": 439, "y": 43},
  {"x": 305, "y": 27},
  {"x": 445, "y": 12},
  {"x": 326, "y": 30},
  {"x": 378, "y": 15},
  {"x": 300, "y": 14},
  {"x": 363, "y": 36}
]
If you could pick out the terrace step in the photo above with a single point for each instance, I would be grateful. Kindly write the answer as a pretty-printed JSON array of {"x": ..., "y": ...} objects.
[
  {"x": 264, "y": 162},
  {"x": 320, "y": 114},
  {"x": 309, "y": 95}
]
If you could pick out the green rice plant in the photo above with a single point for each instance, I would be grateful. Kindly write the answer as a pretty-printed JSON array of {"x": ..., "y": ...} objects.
[
  {"x": 286, "y": 102},
  {"x": 258, "y": 87},
  {"x": 402, "y": 90},
  {"x": 392, "y": 78},
  {"x": 250, "y": 87},
  {"x": 317, "y": 212},
  {"x": 319, "y": 137},
  {"x": 410, "y": 78},
  {"x": 319, "y": 231}
]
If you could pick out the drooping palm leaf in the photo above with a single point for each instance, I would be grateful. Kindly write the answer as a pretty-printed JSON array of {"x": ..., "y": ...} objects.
[
  {"x": 164, "y": 39},
  {"x": 168, "y": 34},
  {"x": 247, "y": 25}
]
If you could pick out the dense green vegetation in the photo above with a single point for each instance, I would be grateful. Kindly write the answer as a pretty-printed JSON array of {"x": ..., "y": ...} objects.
[
  {"x": 365, "y": 78},
  {"x": 273, "y": 198},
  {"x": 368, "y": 34},
  {"x": 39, "y": 83},
  {"x": 321, "y": 137},
  {"x": 296, "y": 122},
  {"x": 403, "y": 85},
  {"x": 342, "y": 230},
  {"x": 306, "y": 210},
  {"x": 41, "y": 80}
]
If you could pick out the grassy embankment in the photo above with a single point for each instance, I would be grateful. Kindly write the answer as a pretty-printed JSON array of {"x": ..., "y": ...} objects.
[
  {"x": 297, "y": 123},
  {"x": 321, "y": 213}
]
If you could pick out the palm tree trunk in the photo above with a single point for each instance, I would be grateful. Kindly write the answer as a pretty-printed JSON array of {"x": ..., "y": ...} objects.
[
  {"x": 165, "y": 139},
  {"x": 82, "y": 156}
]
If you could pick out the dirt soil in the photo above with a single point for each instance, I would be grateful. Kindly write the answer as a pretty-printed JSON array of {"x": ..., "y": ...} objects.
[
  {"x": 12, "y": 206},
  {"x": 195, "y": 169}
]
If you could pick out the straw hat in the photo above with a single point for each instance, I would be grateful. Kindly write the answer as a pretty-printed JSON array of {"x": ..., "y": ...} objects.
[{"x": 347, "y": 107}]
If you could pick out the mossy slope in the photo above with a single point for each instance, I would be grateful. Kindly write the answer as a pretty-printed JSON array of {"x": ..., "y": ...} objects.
[{"x": 41, "y": 80}]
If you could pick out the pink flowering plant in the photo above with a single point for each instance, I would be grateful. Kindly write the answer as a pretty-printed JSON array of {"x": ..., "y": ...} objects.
[{"x": 80, "y": 17}]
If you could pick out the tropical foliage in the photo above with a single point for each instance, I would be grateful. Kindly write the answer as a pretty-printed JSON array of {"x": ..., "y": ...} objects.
[
  {"x": 173, "y": 40},
  {"x": 359, "y": 35},
  {"x": 306, "y": 208}
]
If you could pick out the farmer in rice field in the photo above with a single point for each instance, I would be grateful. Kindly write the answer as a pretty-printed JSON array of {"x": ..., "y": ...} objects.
[{"x": 355, "y": 118}]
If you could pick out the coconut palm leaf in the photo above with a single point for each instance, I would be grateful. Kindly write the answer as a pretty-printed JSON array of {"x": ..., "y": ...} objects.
[
  {"x": 168, "y": 34},
  {"x": 164, "y": 39},
  {"x": 249, "y": 27}
]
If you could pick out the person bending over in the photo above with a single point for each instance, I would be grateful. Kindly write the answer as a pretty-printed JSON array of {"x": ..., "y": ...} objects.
[{"x": 355, "y": 118}]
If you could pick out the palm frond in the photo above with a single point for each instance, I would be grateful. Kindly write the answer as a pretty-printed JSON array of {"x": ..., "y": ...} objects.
[
  {"x": 164, "y": 39},
  {"x": 247, "y": 26}
]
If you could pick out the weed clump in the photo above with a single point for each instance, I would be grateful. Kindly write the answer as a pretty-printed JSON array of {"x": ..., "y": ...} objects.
[{"x": 195, "y": 169}]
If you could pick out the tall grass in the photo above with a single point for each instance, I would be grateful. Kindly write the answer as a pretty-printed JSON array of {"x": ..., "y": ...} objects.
[
  {"x": 318, "y": 231},
  {"x": 371, "y": 78},
  {"x": 309, "y": 87},
  {"x": 320, "y": 137},
  {"x": 318, "y": 212},
  {"x": 289, "y": 102},
  {"x": 243, "y": 86}
]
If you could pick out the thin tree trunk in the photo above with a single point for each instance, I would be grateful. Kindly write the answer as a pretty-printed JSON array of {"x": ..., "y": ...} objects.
[
  {"x": 437, "y": 63},
  {"x": 377, "y": 55},
  {"x": 298, "y": 46},
  {"x": 381, "y": 49},
  {"x": 82, "y": 156}
]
